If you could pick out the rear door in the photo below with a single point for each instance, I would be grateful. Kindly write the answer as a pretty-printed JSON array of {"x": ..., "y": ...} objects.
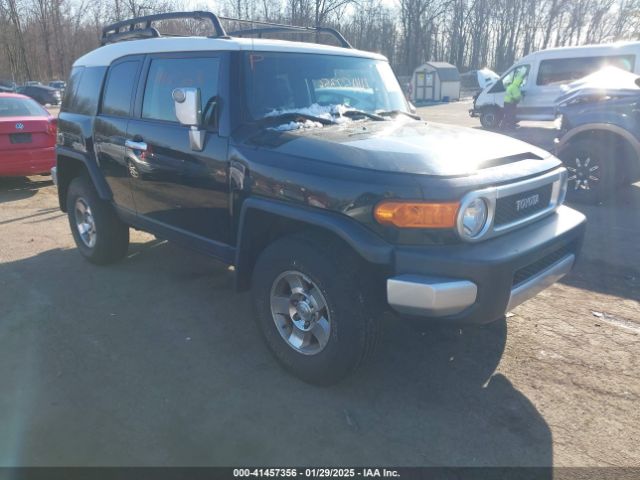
[
  {"x": 110, "y": 128},
  {"x": 173, "y": 185},
  {"x": 499, "y": 88}
]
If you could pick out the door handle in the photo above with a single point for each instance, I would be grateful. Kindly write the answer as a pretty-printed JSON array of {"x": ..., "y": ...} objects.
[{"x": 141, "y": 146}]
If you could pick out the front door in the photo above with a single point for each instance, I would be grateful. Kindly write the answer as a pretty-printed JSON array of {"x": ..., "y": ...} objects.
[
  {"x": 110, "y": 128},
  {"x": 173, "y": 185},
  {"x": 499, "y": 88}
]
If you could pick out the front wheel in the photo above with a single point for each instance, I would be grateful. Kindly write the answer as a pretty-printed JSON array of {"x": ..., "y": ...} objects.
[
  {"x": 491, "y": 117},
  {"x": 591, "y": 176},
  {"x": 313, "y": 307},
  {"x": 100, "y": 235}
]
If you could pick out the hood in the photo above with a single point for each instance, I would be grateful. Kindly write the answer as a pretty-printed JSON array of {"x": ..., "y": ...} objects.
[
  {"x": 402, "y": 146},
  {"x": 595, "y": 96},
  {"x": 486, "y": 77},
  {"x": 608, "y": 81}
]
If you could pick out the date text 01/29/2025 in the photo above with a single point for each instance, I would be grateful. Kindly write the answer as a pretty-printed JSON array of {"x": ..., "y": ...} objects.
[{"x": 315, "y": 472}]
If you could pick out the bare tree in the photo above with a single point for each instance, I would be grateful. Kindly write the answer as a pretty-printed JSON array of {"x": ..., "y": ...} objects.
[{"x": 41, "y": 38}]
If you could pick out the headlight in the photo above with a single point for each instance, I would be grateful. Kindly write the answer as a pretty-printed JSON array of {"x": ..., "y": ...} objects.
[
  {"x": 473, "y": 218},
  {"x": 406, "y": 214}
]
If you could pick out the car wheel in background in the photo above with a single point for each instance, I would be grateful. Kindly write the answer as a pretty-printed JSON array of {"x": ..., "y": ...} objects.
[
  {"x": 100, "y": 235},
  {"x": 591, "y": 171},
  {"x": 313, "y": 307},
  {"x": 491, "y": 117}
]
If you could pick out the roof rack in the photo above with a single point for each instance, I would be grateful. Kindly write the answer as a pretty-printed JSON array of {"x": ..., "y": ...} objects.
[
  {"x": 133, "y": 28},
  {"x": 118, "y": 31},
  {"x": 269, "y": 27}
]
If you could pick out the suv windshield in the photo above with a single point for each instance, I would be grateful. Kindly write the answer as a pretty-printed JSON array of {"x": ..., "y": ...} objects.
[{"x": 319, "y": 85}]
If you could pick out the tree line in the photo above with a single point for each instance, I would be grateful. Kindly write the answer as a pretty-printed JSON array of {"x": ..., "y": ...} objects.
[{"x": 40, "y": 39}]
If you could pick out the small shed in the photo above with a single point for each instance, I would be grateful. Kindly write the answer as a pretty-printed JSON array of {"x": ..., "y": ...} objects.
[{"x": 435, "y": 82}]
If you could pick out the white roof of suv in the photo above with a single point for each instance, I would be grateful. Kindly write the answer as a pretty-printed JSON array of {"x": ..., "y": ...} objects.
[{"x": 103, "y": 56}]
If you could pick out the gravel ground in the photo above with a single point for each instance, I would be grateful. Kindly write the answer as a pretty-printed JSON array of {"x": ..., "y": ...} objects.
[{"x": 155, "y": 361}]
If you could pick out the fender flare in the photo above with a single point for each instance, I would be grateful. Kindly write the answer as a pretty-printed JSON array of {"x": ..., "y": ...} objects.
[
  {"x": 363, "y": 241},
  {"x": 490, "y": 105},
  {"x": 565, "y": 140},
  {"x": 104, "y": 192}
]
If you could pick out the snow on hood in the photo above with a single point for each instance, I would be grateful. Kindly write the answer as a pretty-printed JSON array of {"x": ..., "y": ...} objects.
[
  {"x": 320, "y": 111},
  {"x": 328, "y": 112},
  {"x": 286, "y": 127}
]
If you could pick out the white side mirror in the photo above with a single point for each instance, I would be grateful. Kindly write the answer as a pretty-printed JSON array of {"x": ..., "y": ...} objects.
[
  {"x": 188, "y": 112},
  {"x": 187, "y": 104}
]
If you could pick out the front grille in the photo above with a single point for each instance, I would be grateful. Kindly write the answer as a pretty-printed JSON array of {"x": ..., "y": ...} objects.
[
  {"x": 522, "y": 205},
  {"x": 531, "y": 270}
]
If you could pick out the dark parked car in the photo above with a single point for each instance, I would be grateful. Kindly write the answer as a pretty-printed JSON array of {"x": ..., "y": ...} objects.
[
  {"x": 7, "y": 86},
  {"x": 599, "y": 140},
  {"x": 41, "y": 94},
  {"x": 58, "y": 85},
  {"x": 329, "y": 214}
]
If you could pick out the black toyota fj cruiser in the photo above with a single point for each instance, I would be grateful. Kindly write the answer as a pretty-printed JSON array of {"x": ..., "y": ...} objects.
[{"x": 302, "y": 166}]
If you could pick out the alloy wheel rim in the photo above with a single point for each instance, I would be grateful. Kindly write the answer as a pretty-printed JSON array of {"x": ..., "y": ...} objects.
[
  {"x": 584, "y": 173},
  {"x": 133, "y": 170},
  {"x": 85, "y": 223},
  {"x": 300, "y": 313}
]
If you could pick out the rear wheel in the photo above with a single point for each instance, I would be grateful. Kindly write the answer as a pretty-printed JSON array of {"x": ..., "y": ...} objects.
[
  {"x": 591, "y": 171},
  {"x": 491, "y": 117},
  {"x": 313, "y": 307},
  {"x": 100, "y": 235}
]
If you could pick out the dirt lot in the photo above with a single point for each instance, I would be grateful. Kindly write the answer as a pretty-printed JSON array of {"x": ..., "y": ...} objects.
[{"x": 155, "y": 361}]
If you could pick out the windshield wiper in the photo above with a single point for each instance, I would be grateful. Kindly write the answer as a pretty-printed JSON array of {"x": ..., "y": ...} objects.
[
  {"x": 361, "y": 113},
  {"x": 294, "y": 117},
  {"x": 395, "y": 113}
]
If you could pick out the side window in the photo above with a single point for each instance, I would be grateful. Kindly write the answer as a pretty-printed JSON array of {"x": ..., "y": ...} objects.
[
  {"x": 119, "y": 89},
  {"x": 565, "y": 70},
  {"x": 507, "y": 78},
  {"x": 166, "y": 74},
  {"x": 84, "y": 99},
  {"x": 72, "y": 85}
]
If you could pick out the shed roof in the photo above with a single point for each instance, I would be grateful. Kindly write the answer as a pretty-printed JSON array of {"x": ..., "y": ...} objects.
[{"x": 446, "y": 71}]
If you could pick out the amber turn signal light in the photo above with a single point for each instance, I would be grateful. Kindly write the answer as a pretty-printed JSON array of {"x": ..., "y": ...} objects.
[{"x": 417, "y": 214}]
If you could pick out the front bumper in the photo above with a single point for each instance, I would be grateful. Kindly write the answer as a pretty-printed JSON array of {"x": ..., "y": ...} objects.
[
  {"x": 478, "y": 283},
  {"x": 474, "y": 113}
]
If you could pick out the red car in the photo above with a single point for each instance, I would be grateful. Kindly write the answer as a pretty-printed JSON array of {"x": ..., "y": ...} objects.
[{"x": 27, "y": 137}]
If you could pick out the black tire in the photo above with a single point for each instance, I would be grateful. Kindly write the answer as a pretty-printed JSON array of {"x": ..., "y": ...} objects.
[
  {"x": 592, "y": 176},
  {"x": 111, "y": 234},
  {"x": 491, "y": 117},
  {"x": 344, "y": 285}
]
